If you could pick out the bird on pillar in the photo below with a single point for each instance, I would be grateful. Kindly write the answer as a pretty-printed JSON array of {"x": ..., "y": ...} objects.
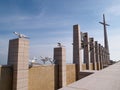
[{"x": 21, "y": 35}]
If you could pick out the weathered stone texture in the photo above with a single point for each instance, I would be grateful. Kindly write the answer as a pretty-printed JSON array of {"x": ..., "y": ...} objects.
[
  {"x": 71, "y": 73},
  {"x": 18, "y": 56},
  {"x": 6, "y": 77},
  {"x": 60, "y": 60}
]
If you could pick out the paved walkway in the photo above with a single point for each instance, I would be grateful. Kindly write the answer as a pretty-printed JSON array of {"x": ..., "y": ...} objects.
[{"x": 106, "y": 79}]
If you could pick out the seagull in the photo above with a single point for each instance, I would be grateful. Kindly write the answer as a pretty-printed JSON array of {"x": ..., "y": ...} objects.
[
  {"x": 21, "y": 35},
  {"x": 59, "y": 44}
]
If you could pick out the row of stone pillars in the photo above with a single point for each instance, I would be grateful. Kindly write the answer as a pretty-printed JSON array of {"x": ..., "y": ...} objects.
[
  {"x": 94, "y": 53},
  {"x": 18, "y": 56}
]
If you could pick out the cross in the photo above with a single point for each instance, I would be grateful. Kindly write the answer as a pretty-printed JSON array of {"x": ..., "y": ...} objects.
[
  {"x": 104, "y": 23},
  {"x": 105, "y": 33}
]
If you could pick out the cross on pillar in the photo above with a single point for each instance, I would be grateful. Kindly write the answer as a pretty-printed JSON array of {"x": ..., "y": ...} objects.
[{"x": 105, "y": 33}]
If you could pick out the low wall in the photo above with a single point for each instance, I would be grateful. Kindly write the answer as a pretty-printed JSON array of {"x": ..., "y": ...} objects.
[
  {"x": 98, "y": 66},
  {"x": 83, "y": 66},
  {"x": 46, "y": 77},
  {"x": 6, "y": 77},
  {"x": 91, "y": 66},
  {"x": 70, "y": 73},
  {"x": 43, "y": 77}
]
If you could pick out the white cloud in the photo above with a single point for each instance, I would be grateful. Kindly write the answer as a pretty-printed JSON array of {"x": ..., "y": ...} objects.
[
  {"x": 114, "y": 10},
  {"x": 114, "y": 45}
]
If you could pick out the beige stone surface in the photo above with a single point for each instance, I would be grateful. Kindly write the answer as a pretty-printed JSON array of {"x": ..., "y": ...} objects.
[
  {"x": 106, "y": 79},
  {"x": 83, "y": 66},
  {"x": 70, "y": 73},
  {"x": 43, "y": 77},
  {"x": 76, "y": 49},
  {"x": 6, "y": 77},
  {"x": 40, "y": 77},
  {"x": 18, "y": 56},
  {"x": 86, "y": 49},
  {"x": 91, "y": 66},
  {"x": 60, "y": 60}
]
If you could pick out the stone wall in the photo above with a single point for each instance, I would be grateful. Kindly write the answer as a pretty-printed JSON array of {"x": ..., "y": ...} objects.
[
  {"x": 43, "y": 77},
  {"x": 83, "y": 66},
  {"x": 6, "y": 76},
  {"x": 46, "y": 77},
  {"x": 91, "y": 66},
  {"x": 71, "y": 73}
]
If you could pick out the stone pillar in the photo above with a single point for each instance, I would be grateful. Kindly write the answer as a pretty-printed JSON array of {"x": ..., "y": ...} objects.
[
  {"x": 97, "y": 55},
  {"x": 92, "y": 53},
  {"x": 0, "y": 72},
  {"x": 100, "y": 56},
  {"x": 106, "y": 58},
  {"x": 103, "y": 49},
  {"x": 60, "y": 60},
  {"x": 18, "y": 56},
  {"x": 76, "y": 49},
  {"x": 86, "y": 50}
]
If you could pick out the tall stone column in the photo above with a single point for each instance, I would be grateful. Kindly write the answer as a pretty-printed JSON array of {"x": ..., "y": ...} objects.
[
  {"x": 107, "y": 57},
  {"x": 76, "y": 49},
  {"x": 92, "y": 53},
  {"x": 0, "y": 72},
  {"x": 18, "y": 56},
  {"x": 97, "y": 55},
  {"x": 104, "y": 57},
  {"x": 86, "y": 50},
  {"x": 60, "y": 60},
  {"x": 100, "y": 56}
]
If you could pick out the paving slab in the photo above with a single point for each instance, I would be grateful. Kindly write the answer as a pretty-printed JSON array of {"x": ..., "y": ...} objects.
[{"x": 106, "y": 79}]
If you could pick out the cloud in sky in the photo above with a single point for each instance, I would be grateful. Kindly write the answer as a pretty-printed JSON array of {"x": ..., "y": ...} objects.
[
  {"x": 114, "y": 10},
  {"x": 48, "y": 22}
]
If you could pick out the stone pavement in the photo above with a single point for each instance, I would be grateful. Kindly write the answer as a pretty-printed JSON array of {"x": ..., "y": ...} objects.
[{"x": 106, "y": 79}]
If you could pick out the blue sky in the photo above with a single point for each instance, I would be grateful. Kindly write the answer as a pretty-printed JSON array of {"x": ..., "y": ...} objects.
[{"x": 47, "y": 22}]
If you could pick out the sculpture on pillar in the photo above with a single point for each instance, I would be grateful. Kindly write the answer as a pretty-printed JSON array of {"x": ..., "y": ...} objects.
[
  {"x": 59, "y": 44},
  {"x": 21, "y": 35}
]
